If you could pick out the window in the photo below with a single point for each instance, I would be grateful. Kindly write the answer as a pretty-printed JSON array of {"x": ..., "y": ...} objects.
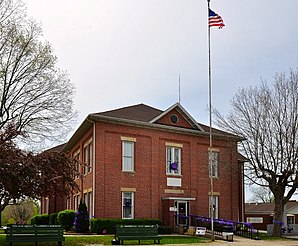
[
  {"x": 173, "y": 160},
  {"x": 90, "y": 203},
  {"x": 86, "y": 198},
  {"x": 77, "y": 157},
  {"x": 290, "y": 220},
  {"x": 88, "y": 158},
  {"x": 68, "y": 203},
  {"x": 76, "y": 201},
  {"x": 213, "y": 163},
  {"x": 127, "y": 156},
  {"x": 213, "y": 206},
  {"x": 47, "y": 205},
  {"x": 127, "y": 205}
]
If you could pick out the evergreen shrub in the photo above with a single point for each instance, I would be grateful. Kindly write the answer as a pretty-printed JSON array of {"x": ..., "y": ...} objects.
[
  {"x": 81, "y": 221},
  {"x": 66, "y": 219},
  {"x": 165, "y": 230},
  {"x": 109, "y": 225},
  {"x": 53, "y": 219},
  {"x": 40, "y": 219}
]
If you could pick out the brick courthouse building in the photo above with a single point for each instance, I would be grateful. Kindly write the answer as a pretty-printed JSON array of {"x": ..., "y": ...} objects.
[{"x": 143, "y": 162}]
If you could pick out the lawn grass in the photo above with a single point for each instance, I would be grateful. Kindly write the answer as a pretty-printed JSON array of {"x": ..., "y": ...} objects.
[{"x": 106, "y": 240}]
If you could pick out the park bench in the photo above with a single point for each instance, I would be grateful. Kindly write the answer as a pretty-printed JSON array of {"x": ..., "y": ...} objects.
[
  {"x": 137, "y": 232},
  {"x": 34, "y": 233}
]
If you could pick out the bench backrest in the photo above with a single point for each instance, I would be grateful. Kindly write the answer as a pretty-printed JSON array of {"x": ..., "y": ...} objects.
[
  {"x": 20, "y": 229},
  {"x": 37, "y": 230},
  {"x": 128, "y": 230}
]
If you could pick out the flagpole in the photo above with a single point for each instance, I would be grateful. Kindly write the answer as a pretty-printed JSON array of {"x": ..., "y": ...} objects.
[{"x": 210, "y": 133}]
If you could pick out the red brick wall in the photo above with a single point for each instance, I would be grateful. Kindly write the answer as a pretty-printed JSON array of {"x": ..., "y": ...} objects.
[
  {"x": 267, "y": 219},
  {"x": 56, "y": 204},
  {"x": 166, "y": 120},
  {"x": 85, "y": 183},
  {"x": 150, "y": 179}
]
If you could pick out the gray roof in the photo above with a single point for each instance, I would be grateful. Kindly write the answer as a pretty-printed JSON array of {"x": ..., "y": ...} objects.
[{"x": 145, "y": 116}]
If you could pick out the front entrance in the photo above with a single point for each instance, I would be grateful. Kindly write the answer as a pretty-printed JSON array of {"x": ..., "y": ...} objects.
[
  {"x": 176, "y": 211},
  {"x": 182, "y": 213}
]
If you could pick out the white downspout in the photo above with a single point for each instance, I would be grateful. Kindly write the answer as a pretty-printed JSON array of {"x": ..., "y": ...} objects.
[{"x": 94, "y": 168}]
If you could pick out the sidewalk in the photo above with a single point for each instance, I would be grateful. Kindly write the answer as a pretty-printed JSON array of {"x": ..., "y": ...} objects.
[{"x": 240, "y": 241}]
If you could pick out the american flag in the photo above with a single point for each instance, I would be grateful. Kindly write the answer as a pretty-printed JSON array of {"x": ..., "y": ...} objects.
[{"x": 215, "y": 20}]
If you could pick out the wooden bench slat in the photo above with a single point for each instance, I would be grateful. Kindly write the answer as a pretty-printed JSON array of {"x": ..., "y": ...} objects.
[
  {"x": 34, "y": 233},
  {"x": 137, "y": 232}
]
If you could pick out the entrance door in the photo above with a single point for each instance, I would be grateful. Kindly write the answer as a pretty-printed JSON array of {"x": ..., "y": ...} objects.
[{"x": 182, "y": 213}]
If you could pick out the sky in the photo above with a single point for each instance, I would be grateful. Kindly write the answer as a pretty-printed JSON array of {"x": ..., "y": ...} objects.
[{"x": 125, "y": 52}]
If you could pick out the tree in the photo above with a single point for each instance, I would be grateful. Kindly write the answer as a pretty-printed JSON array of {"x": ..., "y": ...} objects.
[
  {"x": 35, "y": 95},
  {"x": 81, "y": 221},
  {"x": 24, "y": 174},
  {"x": 21, "y": 212},
  {"x": 266, "y": 116},
  {"x": 36, "y": 105},
  {"x": 261, "y": 193},
  {"x": 13, "y": 167},
  {"x": 55, "y": 173}
]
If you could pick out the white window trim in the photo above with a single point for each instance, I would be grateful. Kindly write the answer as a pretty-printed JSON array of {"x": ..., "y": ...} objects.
[
  {"x": 132, "y": 169},
  {"x": 172, "y": 153},
  {"x": 216, "y": 213},
  {"x": 213, "y": 150},
  {"x": 89, "y": 167},
  {"x": 75, "y": 154},
  {"x": 132, "y": 204}
]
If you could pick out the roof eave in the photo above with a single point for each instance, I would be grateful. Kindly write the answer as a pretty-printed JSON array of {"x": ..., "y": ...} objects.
[
  {"x": 189, "y": 117},
  {"x": 91, "y": 118},
  {"x": 159, "y": 126},
  {"x": 86, "y": 124}
]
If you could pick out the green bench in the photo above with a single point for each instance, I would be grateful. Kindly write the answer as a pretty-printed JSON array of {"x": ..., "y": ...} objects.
[
  {"x": 137, "y": 232},
  {"x": 34, "y": 233}
]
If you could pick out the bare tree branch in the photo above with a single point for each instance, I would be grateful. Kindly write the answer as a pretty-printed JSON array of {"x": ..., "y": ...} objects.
[
  {"x": 267, "y": 117},
  {"x": 35, "y": 95}
]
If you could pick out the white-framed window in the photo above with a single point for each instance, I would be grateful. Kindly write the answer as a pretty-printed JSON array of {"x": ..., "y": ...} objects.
[
  {"x": 128, "y": 156},
  {"x": 68, "y": 203},
  {"x": 47, "y": 205},
  {"x": 86, "y": 198},
  {"x": 78, "y": 167},
  {"x": 90, "y": 204},
  {"x": 173, "y": 160},
  {"x": 88, "y": 158},
  {"x": 127, "y": 205},
  {"x": 213, "y": 206},
  {"x": 213, "y": 163},
  {"x": 76, "y": 200},
  {"x": 290, "y": 219}
]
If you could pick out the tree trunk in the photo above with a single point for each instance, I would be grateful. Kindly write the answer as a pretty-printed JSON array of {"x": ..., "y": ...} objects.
[
  {"x": 277, "y": 217},
  {"x": 2, "y": 207}
]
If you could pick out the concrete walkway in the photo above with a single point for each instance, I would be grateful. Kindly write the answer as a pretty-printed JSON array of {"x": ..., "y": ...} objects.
[{"x": 238, "y": 241}]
